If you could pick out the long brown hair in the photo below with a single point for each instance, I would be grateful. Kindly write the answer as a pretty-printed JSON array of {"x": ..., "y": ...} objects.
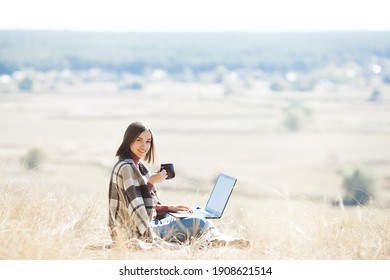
[{"x": 131, "y": 134}]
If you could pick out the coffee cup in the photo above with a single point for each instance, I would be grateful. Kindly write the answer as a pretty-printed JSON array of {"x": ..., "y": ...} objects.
[{"x": 169, "y": 168}]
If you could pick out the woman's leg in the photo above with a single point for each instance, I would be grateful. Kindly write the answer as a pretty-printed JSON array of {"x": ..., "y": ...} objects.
[{"x": 181, "y": 230}]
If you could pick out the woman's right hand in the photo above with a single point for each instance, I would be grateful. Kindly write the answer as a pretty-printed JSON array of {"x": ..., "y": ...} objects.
[{"x": 158, "y": 177}]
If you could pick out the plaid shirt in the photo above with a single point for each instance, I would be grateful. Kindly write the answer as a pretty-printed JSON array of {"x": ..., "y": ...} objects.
[{"x": 130, "y": 202}]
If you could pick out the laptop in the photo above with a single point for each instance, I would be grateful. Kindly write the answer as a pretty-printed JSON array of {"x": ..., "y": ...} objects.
[{"x": 217, "y": 201}]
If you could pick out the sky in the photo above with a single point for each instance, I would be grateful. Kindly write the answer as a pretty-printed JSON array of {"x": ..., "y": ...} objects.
[{"x": 195, "y": 15}]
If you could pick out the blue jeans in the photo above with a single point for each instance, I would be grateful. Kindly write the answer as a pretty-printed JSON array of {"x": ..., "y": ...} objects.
[{"x": 181, "y": 230}]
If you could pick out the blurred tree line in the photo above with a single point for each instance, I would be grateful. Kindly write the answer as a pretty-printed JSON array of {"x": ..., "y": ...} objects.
[{"x": 176, "y": 52}]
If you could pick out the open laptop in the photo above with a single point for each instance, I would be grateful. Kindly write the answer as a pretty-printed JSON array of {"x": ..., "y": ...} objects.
[{"x": 217, "y": 201}]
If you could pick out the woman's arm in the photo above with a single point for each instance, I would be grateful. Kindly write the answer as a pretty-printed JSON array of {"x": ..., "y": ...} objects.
[
  {"x": 158, "y": 177},
  {"x": 160, "y": 209}
]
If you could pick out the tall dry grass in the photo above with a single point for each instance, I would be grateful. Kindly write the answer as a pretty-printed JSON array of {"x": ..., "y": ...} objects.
[{"x": 37, "y": 224}]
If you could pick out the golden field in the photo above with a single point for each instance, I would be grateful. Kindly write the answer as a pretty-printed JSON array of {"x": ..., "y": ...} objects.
[{"x": 286, "y": 179}]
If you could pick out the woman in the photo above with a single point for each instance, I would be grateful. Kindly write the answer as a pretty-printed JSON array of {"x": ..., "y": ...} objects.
[{"x": 135, "y": 210}]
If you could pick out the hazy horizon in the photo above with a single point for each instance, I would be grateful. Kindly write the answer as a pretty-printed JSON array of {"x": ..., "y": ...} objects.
[{"x": 195, "y": 16}]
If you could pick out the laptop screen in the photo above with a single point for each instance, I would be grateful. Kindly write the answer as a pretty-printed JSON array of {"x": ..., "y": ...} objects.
[{"x": 220, "y": 194}]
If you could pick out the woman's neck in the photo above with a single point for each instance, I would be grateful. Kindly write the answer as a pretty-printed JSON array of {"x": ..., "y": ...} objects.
[{"x": 135, "y": 158}]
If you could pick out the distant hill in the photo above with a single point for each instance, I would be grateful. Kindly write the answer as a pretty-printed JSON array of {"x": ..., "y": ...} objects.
[{"x": 175, "y": 52}]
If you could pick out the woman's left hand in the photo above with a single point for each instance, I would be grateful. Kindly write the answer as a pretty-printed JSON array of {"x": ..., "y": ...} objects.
[
  {"x": 158, "y": 177},
  {"x": 178, "y": 208}
]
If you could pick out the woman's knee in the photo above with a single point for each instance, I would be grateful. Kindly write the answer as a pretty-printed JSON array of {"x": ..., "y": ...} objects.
[
  {"x": 198, "y": 225},
  {"x": 185, "y": 230}
]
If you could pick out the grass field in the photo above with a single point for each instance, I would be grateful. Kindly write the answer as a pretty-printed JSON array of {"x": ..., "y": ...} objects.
[{"x": 286, "y": 179}]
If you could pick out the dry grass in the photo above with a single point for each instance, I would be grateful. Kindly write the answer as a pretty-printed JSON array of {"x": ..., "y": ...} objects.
[{"x": 44, "y": 225}]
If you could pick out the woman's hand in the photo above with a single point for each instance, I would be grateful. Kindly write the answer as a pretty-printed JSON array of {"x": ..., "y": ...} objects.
[
  {"x": 178, "y": 208},
  {"x": 158, "y": 177}
]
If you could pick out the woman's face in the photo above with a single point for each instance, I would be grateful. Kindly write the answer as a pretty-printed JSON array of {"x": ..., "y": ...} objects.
[{"x": 141, "y": 145}]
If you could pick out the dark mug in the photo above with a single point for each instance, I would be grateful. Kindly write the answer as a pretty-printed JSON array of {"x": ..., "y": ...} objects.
[{"x": 168, "y": 167}]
